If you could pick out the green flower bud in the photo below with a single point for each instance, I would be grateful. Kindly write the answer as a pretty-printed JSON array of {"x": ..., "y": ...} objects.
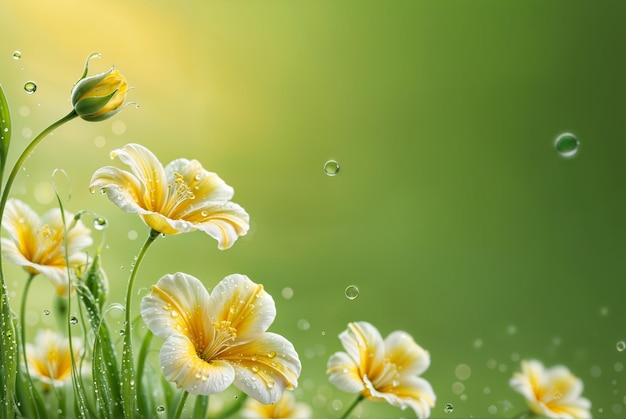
[{"x": 99, "y": 97}]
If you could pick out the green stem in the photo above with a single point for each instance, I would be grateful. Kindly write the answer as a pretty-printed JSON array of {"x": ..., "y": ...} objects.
[
  {"x": 128, "y": 374},
  {"x": 201, "y": 407},
  {"x": 352, "y": 406},
  {"x": 26, "y": 153},
  {"x": 181, "y": 405},
  {"x": 35, "y": 398}
]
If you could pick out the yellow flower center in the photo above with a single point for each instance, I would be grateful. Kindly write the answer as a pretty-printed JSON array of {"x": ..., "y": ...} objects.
[
  {"x": 224, "y": 334},
  {"x": 179, "y": 192}
]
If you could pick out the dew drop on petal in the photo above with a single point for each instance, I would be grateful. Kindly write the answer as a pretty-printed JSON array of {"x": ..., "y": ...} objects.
[
  {"x": 271, "y": 354},
  {"x": 73, "y": 320},
  {"x": 30, "y": 87},
  {"x": 448, "y": 408},
  {"x": 566, "y": 144},
  {"x": 352, "y": 292},
  {"x": 100, "y": 223},
  {"x": 621, "y": 345},
  {"x": 331, "y": 168},
  {"x": 17, "y": 55}
]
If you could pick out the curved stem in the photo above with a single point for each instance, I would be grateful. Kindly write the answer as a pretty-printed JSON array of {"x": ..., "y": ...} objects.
[
  {"x": 181, "y": 405},
  {"x": 27, "y": 151},
  {"x": 128, "y": 380},
  {"x": 352, "y": 406}
]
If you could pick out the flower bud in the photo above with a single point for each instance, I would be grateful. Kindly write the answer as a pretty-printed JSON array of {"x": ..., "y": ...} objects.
[{"x": 99, "y": 97}]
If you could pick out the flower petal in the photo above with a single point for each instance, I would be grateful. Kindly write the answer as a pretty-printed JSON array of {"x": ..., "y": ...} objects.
[
  {"x": 414, "y": 392},
  {"x": 245, "y": 305},
  {"x": 409, "y": 357},
  {"x": 206, "y": 186},
  {"x": 148, "y": 171},
  {"x": 225, "y": 222},
  {"x": 182, "y": 365},
  {"x": 177, "y": 303},
  {"x": 122, "y": 188},
  {"x": 265, "y": 367},
  {"x": 21, "y": 222},
  {"x": 344, "y": 373},
  {"x": 364, "y": 344}
]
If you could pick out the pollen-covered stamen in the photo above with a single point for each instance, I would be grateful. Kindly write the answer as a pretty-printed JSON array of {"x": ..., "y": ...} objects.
[
  {"x": 49, "y": 244},
  {"x": 223, "y": 335},
  {"x": 179, "y": 192}
]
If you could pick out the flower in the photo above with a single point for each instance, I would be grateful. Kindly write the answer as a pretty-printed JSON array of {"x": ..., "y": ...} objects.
[
  {"x": 179, "y": 198},
  {"x": 99, "y": 97},
  {"x": 218, "y": 339},
  {"x": 50, "y": 358},
  {"x": 384, "y": 370},
  {"x": 554, "y": 392},
  {"x": 285, "y": 408},
  {"x": 37, "y": 244}
]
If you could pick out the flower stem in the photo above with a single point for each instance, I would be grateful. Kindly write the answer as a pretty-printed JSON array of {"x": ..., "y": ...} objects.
[
  {"x": 352, "y": 406},
  {"x": 8, "y": 356},
  {"x": 32, "y": 392},
  {"x": 181, "y": 405},
  {"x": 128, "y": 375}
]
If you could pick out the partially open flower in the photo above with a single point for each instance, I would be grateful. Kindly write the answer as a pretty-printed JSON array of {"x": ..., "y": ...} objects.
[
  {"x": 386, "y": 370},
  {"x": 37, "y": 244},
  {"x": 178, "y": 198},
  {"x": 553, "y": 392},
  {"x": 99, "y": 97},
  {"x": 50, "y": 358}
]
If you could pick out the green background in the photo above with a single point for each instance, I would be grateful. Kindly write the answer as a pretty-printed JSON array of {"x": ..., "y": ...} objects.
[{"x": 452, "y": 212}]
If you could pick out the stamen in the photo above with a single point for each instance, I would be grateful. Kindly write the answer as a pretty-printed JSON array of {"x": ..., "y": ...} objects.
[{"x": 224, "y": 334}]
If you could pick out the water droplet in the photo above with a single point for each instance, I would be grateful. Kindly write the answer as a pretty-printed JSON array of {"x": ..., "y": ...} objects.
[
  {"x": 621, "y": 345},
  {"x": 73, "y": 320},
  {"x": 100, "y": 223},
  {"x": 160, "y": 410},
  {"x": 255, "y": 368},
  {"x": 448, "y": 408},
  {"x": 352, "y": 291},
  {"x": 46, "y": 312},
  {"x": 17, "y": 55},
  {"x": 174, "y": 313},
  {"x": 271, "y": 354},
  {"x": 331, "y": 168},
  {"x": 122, "y": 332},
  {"x": 30, "y": 87},
  {"x": 566, "y": 144}
]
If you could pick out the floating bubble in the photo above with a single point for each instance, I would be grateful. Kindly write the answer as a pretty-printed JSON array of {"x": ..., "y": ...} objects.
[
  {"x": 448, "y": 408},
  {"x": 46, "y": 312},
  {"x": 621, "y": 345},
  {"x": 160, "y": 410},
  {"x": 30, "y": 87},
  {"x": 17, "y": 55},
  {"x": 352, "y": 291},
  {"x": 100, "y": 223},
  {"x": 567, "y": 144},
  {"x": 331, "y": 168},
  {"x": 73, "y": 320}
]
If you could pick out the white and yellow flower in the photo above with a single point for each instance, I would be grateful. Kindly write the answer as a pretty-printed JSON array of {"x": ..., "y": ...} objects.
[
  {"x": 554, "y": 392},
  {"x": 386, "y": 370},
  {"x": 179, "y": 198},
  {"x": 50, "y": 358},
  {"x": 285, "y": 408},
  {"x": 218, "y": 339},
  {"x": 37, "y": 244}
]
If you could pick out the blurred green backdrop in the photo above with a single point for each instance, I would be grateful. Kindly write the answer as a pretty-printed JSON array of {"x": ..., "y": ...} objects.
[{"x": 452, "y": 212}]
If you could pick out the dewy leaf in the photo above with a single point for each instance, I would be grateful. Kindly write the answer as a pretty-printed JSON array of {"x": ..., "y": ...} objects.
[{"x": 5, "y": 130}]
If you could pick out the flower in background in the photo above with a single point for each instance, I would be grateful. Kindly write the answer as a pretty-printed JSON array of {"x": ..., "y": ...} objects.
[
  {"x": 554, "y": 392},
  {"x": 50, "y": 358},
  {"x": 386, "y": 370},
  {"x": 218, "y": 339},
  {"x": 179, "y": 198},
  {"x": 285, "y": 408},
  {"x": 99, "y": 97},
  {"x": 38, "y": 245}
]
